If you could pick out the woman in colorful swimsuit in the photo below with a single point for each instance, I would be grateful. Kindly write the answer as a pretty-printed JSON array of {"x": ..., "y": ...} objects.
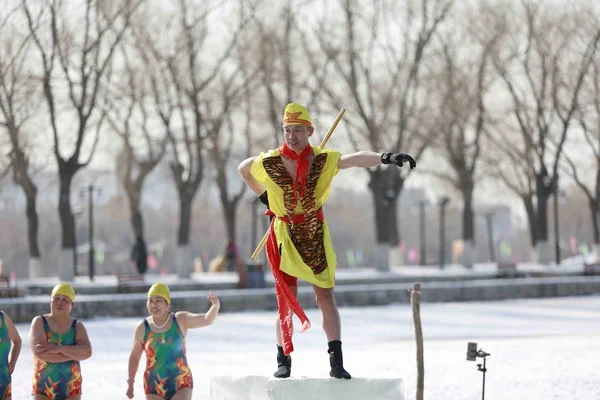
[
  {"x": 59, "y": 343},
  {"x": 162, "y": 336},
  {"x": 9, "y": 337}
]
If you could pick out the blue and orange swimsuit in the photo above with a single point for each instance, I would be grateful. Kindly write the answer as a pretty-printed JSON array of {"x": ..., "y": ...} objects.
[
  {"x": 57, "y": 381},
  {"x": 5, "y": 345},
  {"x": 167, "y": 370}
]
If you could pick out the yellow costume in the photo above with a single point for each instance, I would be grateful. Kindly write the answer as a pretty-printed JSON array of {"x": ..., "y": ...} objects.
[{"x": 306, "y": 249}]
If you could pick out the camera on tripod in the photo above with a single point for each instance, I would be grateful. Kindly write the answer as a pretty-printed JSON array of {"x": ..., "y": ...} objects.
[{"x": 472, "y": 354}]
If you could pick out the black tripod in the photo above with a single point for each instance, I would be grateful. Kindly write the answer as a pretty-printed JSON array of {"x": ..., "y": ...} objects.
[{"x": 482, "y": 354}]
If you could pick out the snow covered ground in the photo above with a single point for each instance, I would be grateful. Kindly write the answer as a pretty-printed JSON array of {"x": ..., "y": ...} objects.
[{"x": 540, "y": 349}]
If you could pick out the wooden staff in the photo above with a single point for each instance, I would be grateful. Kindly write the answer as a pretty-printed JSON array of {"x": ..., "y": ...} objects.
[
  {"x": 415, "y": 300},
  {"x": 263, "y": 241}
]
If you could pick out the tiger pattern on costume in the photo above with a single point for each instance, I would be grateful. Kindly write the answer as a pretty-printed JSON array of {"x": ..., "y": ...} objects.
[{"x": 307, "y": 236}]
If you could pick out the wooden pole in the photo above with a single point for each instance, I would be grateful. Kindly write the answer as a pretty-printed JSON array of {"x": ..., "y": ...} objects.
[
  {"x": 415, "y": 300},
  {"x": 263, "y": 241}
]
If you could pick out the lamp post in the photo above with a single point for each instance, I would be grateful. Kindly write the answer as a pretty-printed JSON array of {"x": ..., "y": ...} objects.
[
  {"x": 490, "y": 229},
  {"x": 76, "y": 213},
  {"x": 443, "y": 203},
  {"x": 422, "y": 233}
]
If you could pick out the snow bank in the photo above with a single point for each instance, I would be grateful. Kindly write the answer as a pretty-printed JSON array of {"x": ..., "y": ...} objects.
[{"x": 263, "y": 388}]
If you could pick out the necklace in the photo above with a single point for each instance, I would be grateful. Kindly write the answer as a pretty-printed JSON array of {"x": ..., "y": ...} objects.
[{"x": 163, "y": 325}]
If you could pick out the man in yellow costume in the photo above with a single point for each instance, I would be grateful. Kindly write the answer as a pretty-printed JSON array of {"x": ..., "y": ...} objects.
[{"x": 294, "y": 182}]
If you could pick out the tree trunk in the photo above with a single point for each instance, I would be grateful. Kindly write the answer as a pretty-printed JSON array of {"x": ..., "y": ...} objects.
[
  {"x": 468, "y": 224},
  {"x": 542, "y": 218},
  {"x": 66, "y": 263},
  {"x": 596, "y": 229},
  {"x": 137, "y": 222},
  {"x": 65, "y": 212},
  {"x": 230, "y": 214},
  {"x": 32, "y": 224},
  {"x": 531, "y": 219},
  {"x": 468, "y": 228},
  {"x": 185, "y": 216},
  {"x": 386, "y": 185}
]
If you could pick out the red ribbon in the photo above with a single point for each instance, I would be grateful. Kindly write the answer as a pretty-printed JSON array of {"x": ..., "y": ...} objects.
[
  {"x": 301, "y": 167},
  {"x": 286, "y": 301}
]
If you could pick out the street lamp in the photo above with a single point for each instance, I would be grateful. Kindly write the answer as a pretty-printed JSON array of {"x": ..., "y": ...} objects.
[
  {"x": 490, "y": 228},
  {"x": 443, "y": 203},
  {"x": 76, "y": 214}
]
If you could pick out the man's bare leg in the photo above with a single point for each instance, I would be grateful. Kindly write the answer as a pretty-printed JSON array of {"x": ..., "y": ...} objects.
[
  {"x": 331, "y": 316},
  {"x": 332, "y": 326},
  {"x": 284, "y": 363}
]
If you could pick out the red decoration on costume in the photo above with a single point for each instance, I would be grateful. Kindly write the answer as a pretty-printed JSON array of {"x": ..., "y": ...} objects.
[
  {"x": 301, "y": 167},
  {"x": 286, "y": 300}
]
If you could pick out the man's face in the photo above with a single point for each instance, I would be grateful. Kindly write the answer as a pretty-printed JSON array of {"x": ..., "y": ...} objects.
[{"x": 296, "y": 136}]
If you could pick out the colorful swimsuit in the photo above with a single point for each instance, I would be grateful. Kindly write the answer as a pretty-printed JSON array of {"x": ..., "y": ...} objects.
[
  {"x": 167, "y": 370},
  {"x": 5, "y": 345},
  {"x": 57, "y": 381}
]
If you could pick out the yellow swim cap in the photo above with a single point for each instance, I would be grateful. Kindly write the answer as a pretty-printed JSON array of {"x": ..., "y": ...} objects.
[
  {"x": 64, "y": 289},
  {"x": 162, "y": 290},
  {"x": 296, "y": 114}
]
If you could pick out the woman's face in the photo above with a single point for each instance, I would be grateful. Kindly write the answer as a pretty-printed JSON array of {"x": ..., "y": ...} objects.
[
  {"x": 61, "y": 305},
  {"x": 157, "y": 306}
]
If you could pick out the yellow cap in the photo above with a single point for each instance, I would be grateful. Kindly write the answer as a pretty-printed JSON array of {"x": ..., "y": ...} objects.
[
  {"x": 64, "y": 289},
  {"x": 162, "y": 290},
  {"x": 296, "y": 114}
]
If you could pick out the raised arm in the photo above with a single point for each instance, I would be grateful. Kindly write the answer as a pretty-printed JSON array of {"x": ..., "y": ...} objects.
[
  {"x": 245, "y": 171},
  {"x": 82, "y": 350},
  {"x": 39, "y": 345},
  {"x": 15, "y": 338},
  {"x": 372, "y": 159},
  {"x": 191, "y": 321},
  {"x": 134, "y": 358}
]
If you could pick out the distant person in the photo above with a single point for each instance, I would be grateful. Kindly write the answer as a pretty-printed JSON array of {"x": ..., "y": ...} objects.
[
  {"x": 10, "y": 344},
  {"x": 162, "y": 337},
  {"x": 139, "y": 255},
  {"x": 59, "y": 343}
]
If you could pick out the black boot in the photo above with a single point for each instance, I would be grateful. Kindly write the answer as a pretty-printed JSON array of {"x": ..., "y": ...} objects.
[
  {"x": 284, "y": 364},
  {"x": 336, "y": 361}
]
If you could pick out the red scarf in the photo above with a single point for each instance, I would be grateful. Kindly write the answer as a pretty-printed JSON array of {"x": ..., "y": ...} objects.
[
  {"x": 287, "y": 303},
  {"x": 301, "y": 167}
]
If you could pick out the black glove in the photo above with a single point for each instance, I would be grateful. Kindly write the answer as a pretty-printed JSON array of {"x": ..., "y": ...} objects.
[
  {"x": 264, "y": 198},
  {"x": 398, "y": 159}
]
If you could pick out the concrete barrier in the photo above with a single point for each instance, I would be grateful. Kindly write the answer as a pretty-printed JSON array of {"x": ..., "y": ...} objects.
[{"x": 134, "y": 304}]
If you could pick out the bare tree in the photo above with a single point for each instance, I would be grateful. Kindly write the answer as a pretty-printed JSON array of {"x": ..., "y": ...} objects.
[
  {"x": 291, "y": 70},
  {"x": 588, "y": 117},
  {"x": 180, "y": 92},
  {"x": 380, "y": 61},
  {"x": 544, "y": 73},
  {"x": 465, "y": 80},
  {"x": 80, "y": 56},
  {"x": 130, "y": 116},
  {"x": 18, "y": 100}
]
